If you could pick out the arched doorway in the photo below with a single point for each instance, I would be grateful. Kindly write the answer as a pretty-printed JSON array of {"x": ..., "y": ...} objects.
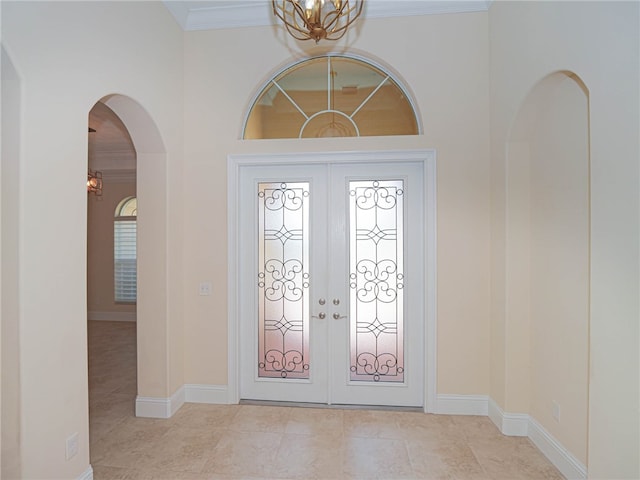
[
  {"x": 111, "y": 311},
  {"x": 151, "y": 303}
]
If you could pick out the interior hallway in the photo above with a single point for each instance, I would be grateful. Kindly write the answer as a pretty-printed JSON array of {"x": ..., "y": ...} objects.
[{"x": 250, "y": 442}]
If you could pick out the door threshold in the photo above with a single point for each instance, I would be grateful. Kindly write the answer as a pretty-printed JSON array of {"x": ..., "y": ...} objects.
[{"x": 274, "y": 403}]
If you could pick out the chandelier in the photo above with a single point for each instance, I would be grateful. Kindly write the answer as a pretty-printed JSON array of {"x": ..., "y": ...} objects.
[
  {"x": 317, "y": 19},
  {"x": 94, "y": 182}
]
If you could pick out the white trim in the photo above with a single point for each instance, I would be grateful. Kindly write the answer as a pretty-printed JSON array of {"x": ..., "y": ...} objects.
[
  {"x": 233, "y": 262},
  {"x": 431, "y": 283},
  {"x": 462, "y": 405},
  {"x": 512, "y": 424},
  {"x": 196, "y": 393},
  {"x": 427, "y": 156},
  {"x": 158, "y": 407},
  {"x": 87, "y": 474},
  {"x": 210, "y": 15},
  {"x": 112, "y": 316},
  {"x": 564, "y": 461},
  {"x": 123, "y": 175},
  {"x": 515, "y": 424}
]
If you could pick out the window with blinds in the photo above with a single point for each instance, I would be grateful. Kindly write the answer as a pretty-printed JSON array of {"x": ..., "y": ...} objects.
[{"x": 124, "y": 253}]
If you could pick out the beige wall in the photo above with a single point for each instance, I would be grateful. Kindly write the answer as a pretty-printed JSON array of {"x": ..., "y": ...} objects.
[
  {"x": 225, "y": 68},
  {"x": 598, "y": 41},
  {"x": 559, "y": 173},
  {"x": 547, "y": 255},
  {"x": 10, "y": 333},
  {"x": 68, "y": 56},
  {"x": 100, "y": 284}
]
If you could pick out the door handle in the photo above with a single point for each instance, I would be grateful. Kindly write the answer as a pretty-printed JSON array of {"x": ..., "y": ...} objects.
[
  {"x": 320, "y": 316},
  {"x": 337, "y": 316}
]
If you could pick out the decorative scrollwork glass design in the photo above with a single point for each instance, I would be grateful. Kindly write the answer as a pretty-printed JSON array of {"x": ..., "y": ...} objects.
[
  {"x": 376, "y": 280},
  {"x": 283, "y": 280}
]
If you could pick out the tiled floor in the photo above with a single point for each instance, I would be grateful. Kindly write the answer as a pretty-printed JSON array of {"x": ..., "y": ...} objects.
[{"x": 250, "y": 442}]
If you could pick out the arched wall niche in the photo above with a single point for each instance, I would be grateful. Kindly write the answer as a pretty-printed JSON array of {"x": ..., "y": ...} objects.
[
  {"x": 406, "y": 98},
  {"x": 547, "y": 277},
  {"x": 151, "y": 193}
]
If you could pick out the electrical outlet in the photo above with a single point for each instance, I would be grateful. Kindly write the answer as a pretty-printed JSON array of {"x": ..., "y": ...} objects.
[
  {"x": 555, "y": 411},
  {"x": 72, "y": 446},
  {"x": 205, "y": 288}
]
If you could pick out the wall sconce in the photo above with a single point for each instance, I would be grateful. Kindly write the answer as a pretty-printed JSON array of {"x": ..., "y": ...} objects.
[{"x": 94, "y": 183}]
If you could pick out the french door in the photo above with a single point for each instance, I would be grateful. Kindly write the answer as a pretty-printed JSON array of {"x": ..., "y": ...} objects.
[{"x": 331, "y": 283}]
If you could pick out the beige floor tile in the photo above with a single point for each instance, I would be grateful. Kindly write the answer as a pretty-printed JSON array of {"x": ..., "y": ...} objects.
[
  {"x": 372, "y": 424},
  {"x": 476, "y": 427},
  {"x": 134, "y": 444},
  {"x": 516, "y": 458},
  {"x": 447, "y": 460},
  {"x": 435, "y": 429},
  {"x": 315, "y": 421},
  {"x": 254, "y": 418},
  {"x": 308, "y": 457},
  {"x": 250, "y": 442},
  {"x": 112, "y": 407},
  {"x": 376, "y": 458},
  {"x": 185, "y": 449},
  {"x": 103, "y": 472},
  {"x": 200, "y": 415},
  {"x": 244, "y": 453}
]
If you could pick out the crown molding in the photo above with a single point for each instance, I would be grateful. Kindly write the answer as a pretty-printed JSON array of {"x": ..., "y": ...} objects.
[
  {"x": 119, "y": 175},
  {"x": 218, "y": 14}
]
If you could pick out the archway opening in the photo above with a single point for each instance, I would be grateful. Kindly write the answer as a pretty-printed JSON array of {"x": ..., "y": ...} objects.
[
  {"x": 134, "y": 168},
  {"x": 111, "y": 278}
]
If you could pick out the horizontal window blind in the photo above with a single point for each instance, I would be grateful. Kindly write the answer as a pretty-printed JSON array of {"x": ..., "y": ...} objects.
[{"x": 125, "y": 269}]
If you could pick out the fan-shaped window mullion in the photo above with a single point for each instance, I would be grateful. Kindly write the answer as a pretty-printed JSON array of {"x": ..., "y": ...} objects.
[{"x": 329, "y": 96}]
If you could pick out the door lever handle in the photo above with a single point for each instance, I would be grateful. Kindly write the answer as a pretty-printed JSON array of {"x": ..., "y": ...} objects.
[
  {"x": 337, "y": 316},
  {"x": 320, "y": 316}
]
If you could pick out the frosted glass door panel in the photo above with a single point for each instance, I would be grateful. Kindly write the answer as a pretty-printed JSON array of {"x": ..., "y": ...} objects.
[
  {"x": 331, "y": 282},
  {"x": 283, "y": 280},
  {"x": 376, "y": 280}
]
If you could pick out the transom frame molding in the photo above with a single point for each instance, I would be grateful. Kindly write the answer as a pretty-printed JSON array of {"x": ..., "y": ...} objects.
[{"x": 216, "y": 14}]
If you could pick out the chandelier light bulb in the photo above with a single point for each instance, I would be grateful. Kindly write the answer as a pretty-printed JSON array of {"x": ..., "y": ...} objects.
[{"x": 317, "y": 19}]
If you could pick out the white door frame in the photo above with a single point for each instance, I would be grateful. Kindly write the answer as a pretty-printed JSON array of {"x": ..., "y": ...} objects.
[{"x": 236, "y": 161}]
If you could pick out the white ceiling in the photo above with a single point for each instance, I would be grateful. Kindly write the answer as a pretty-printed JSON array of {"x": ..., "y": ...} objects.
[
  {"x": 218, "y": 14},
  {"x": 110, "y": 146}
]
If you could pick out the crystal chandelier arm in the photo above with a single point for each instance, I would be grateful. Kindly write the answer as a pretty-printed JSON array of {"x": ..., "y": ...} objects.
[
  {"x": 291, "y": 21},
  {"x": 349, "y": 16},
  {"x": 313, "y": 21}
]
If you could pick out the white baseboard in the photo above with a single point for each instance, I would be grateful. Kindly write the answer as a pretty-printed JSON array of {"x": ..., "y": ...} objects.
[
  {"x": 512, "y": 424},
  {"x": 87, "y": 474},
  {"x": 158, "y": 407},
  {"x": 564, "y": 461},
  {"x": 112, "y": 316},
  {"x": 462, "y": 405},
  {"x": 197, "y": 393}
]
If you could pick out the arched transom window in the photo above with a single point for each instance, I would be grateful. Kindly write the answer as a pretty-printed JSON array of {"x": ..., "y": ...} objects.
[
  {"x": 331, "y": 96},
  {"x": 124, "y": 252}
]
